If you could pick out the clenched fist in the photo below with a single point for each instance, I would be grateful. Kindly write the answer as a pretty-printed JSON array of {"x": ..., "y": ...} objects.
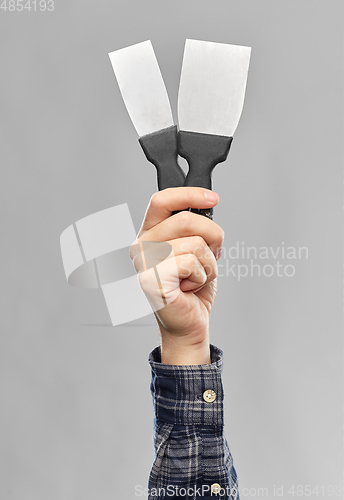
[{"x": 184, "y": 278}]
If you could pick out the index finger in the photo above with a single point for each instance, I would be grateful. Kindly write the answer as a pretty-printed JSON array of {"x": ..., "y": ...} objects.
[{"x": 163, "y": 203}]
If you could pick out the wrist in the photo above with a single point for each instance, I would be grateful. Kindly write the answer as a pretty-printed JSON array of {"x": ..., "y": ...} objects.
[{"x": 182, "y": 351}]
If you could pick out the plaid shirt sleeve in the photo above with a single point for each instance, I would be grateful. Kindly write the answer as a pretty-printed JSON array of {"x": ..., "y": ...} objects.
[{"x": 192, "y": 459}]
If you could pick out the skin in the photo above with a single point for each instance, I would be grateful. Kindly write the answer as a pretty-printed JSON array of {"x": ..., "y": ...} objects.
[{"x": 187, "y": 277}]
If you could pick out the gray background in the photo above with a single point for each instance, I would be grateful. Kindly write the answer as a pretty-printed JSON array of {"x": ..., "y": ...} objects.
[{"x": 76, "y": 414}]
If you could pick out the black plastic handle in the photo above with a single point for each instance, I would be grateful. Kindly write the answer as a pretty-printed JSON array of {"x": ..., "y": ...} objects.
[
  {"x": 202, "y": 152},
  {"x": 161, "y": 149}
]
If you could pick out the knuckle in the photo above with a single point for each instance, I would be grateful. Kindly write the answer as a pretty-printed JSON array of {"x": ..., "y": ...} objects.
[
  {"x": 199, "y": 242},
  {"x": 221, "y": 234},
  {"x": 215, "y": 272},
  {"x": 212, "y": 271},
  {"x": 155, "y": 200},
  {"x": 136, "y": 256},
  {"x": 193, "y": 259},
  {"x": 188, "y": 262},
  {"x": 133, "y": 250},
  {"x": 200, "y": 247},
  {"x": 184, "y": 219},
  {"x": 189, "y": 259},
  {"x": 138, "y": 264}
]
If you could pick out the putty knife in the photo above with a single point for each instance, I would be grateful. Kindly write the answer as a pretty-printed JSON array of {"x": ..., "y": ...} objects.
[
  {"x": 145, "y": 96},
  {"x": 210, "y": 101}
]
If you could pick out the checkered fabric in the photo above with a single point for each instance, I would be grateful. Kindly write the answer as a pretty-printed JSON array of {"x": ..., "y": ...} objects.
[{"x": 191, "y": 451}]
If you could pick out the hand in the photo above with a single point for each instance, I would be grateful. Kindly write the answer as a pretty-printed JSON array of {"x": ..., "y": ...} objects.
[{"x": 187, "y": 276}]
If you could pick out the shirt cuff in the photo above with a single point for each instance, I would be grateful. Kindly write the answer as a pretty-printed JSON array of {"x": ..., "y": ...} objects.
[{"x": 188, "y": 394}]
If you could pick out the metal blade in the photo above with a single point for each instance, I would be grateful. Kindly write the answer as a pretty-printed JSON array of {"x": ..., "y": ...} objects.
[
  {"x": 142, "y": 87},
  {"x": 212, "y": 87}
]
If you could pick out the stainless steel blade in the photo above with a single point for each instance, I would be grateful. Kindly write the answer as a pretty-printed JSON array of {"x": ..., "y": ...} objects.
[
  {"x": 212, "y": 87},
  {"x": 142, "y": 87}
]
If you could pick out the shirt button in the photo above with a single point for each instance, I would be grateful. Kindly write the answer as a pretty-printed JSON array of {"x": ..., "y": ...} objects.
[
  {"x": 215, "y": 489},
  {"x": 209, "y": 396}
]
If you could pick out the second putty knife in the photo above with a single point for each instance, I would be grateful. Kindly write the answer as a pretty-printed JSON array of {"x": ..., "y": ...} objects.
[
  {"x": 210, "y": 101},
  {"x": 145, "y": 96}
]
